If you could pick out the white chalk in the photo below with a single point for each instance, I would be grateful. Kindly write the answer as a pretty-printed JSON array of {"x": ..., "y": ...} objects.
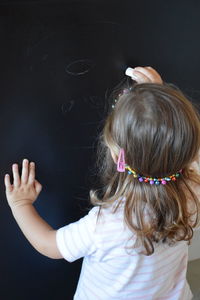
[{"x": 129, "y": 72}]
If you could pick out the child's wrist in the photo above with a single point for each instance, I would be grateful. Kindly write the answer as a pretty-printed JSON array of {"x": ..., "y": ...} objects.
[{"x": 21, "y": 204}]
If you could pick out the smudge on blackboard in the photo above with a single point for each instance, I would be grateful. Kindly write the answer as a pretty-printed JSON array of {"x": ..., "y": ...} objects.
[
  {"x": 79, "y": 67},
  {"x": 94, "y": 101},
  {"x": 32, "y": 45},
  {"x": 45, "y": 56},
  {"x": 67, "y": 106},
  {"x": 107, "y": 91}
]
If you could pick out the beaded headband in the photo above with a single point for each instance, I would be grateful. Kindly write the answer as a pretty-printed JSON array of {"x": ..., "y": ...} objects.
[
  {"x": 121, "y": 166},
  {"x": 125, "y": 91}
]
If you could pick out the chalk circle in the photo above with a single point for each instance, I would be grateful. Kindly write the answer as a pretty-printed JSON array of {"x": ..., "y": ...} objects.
[{"x": 79, "y": 67}]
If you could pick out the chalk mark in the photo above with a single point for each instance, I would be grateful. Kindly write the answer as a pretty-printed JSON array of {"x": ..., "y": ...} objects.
[
  {"x": 94, "y": 101},
  {"x": 67, "y": 106},
  {"x": 31, "y": 47},
  {"x": 79, "y": 67}
]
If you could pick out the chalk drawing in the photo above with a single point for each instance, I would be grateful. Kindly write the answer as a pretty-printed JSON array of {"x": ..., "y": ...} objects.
[{"x": 79, "y": 67}]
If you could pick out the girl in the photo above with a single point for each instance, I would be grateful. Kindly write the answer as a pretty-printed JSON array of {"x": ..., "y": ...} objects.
[{"x": 135, "y": 239}]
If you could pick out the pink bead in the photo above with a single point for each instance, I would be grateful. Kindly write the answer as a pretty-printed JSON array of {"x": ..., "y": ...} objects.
[
  {"x": 163, "y": 181},
  {"x": 125, "y": 91}
]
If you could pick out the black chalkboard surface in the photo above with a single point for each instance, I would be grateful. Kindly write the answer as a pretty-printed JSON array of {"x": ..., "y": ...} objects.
[{"x": 59, "y": 61}]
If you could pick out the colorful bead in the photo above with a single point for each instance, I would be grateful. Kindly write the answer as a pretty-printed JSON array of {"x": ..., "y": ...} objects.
[
  {"x": 167, "y": 179},
  {"x": 151, "y": 180},
  {"x": 125, "y": 91}
]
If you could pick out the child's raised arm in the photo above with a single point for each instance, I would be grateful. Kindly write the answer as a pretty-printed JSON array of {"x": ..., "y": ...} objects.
[{"x": 21, "y": 195}]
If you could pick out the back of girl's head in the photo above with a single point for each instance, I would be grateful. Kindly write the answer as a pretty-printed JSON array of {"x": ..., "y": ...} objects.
[
  {"x": 157, "y": 127},
  {"x": 159, "y": 130}
]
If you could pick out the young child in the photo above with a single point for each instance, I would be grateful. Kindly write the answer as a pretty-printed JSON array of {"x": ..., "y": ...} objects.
[{"x": 135, "y": 239}]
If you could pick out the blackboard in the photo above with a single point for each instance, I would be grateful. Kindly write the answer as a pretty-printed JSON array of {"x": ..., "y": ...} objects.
[{"x": 59, "y": 62}]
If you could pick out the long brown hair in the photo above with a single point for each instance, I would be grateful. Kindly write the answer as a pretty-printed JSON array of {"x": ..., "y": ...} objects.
[{"x": 159, "y": 129}]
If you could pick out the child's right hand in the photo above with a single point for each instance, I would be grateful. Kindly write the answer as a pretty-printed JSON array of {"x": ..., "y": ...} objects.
[{"x": 144, "y": 75}]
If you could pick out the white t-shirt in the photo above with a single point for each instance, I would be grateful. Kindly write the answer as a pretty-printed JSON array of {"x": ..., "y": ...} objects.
[{"x": 112, "y": 271}]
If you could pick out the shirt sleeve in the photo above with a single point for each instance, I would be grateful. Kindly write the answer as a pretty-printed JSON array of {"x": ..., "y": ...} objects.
[{"x": 77, "y": 240}]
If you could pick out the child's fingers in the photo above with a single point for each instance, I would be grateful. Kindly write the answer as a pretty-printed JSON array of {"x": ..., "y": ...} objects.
[
  {"x": 7, "y": 183},
  {"x": 150, "y": 73},
  {"x": 153, "y": 71},
  {"x": 38, "y": 187},
  {"x": 16, "y": 178},
  {"x": 140, "y": 77},
  {"x": 156, "y": 75},
  {"x": 31, "y": 177},
  {"x": 25, "y": 167}
]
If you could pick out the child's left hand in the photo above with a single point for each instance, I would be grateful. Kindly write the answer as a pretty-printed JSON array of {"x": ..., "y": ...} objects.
[{"x": 24, "y": 190}]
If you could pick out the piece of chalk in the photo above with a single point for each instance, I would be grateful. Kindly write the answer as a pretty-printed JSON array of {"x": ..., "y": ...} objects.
[{"x": 129, "y": 72}]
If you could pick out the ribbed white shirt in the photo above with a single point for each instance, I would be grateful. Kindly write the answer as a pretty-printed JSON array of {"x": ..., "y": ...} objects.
[{"x": 112, "y": 271}]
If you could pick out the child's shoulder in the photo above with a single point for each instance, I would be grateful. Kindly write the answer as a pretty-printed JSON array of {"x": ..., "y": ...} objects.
[{"x": 108, "y": 211}]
